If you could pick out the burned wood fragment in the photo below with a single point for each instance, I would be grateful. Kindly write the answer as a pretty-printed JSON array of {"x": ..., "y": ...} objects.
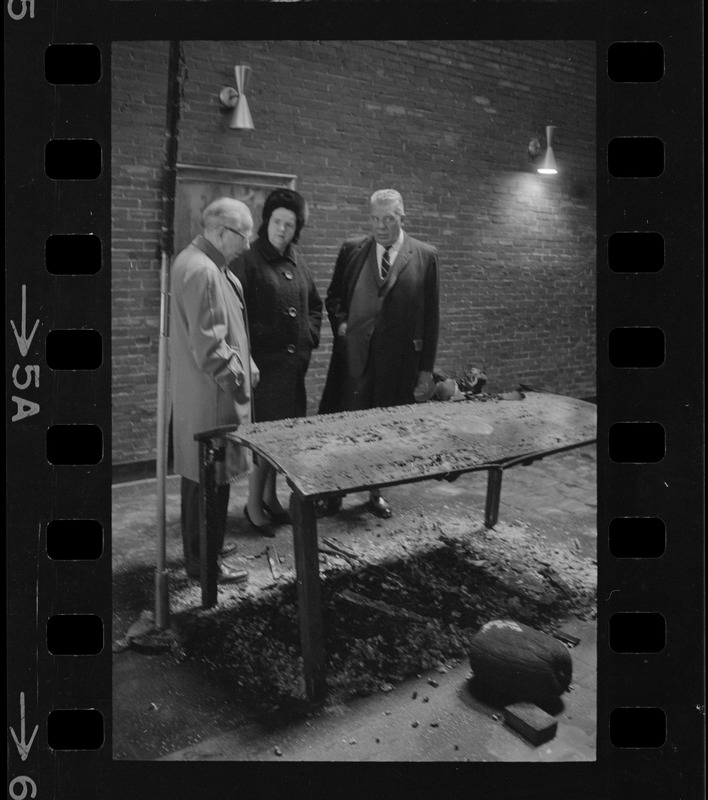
[
  {"x": 271, "y": 563},
  {"x": 568, "y": 638},
  {"x": 381, "y": 607},
  {"x": 336, "y": 548},
  {"x": 338, "y": 553}
]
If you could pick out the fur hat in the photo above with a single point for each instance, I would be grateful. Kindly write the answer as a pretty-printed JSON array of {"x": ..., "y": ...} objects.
[{"x": 284, "y": 198}]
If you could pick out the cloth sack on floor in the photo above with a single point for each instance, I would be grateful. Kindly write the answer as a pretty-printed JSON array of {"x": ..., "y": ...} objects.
[{"x": 519, "y": 662}]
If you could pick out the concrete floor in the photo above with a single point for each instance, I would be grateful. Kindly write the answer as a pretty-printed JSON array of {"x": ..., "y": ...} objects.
[{"x": 168, "y": 709}]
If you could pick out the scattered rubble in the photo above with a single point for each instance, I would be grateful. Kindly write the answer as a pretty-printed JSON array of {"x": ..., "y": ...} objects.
[{"x": 411, "y": 605}]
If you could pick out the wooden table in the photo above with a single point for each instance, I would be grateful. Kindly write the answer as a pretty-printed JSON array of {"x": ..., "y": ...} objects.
[{"x": 355, "y": 451}]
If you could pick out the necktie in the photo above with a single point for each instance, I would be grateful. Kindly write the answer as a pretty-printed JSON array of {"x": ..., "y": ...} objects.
[{"x": 385, "y": 263}]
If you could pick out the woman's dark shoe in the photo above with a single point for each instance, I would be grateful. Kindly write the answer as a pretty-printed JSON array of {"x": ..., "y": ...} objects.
[
  {"x": 264, "y": 530},
  {"x": 327, "y": 506},
  {"x": 278, "y": 517}
]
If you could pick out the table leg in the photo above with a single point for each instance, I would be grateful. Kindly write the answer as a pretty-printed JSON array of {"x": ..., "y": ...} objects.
[
  {"x": 307, "y": 567},
  {"x": 494, "y": 483},
  {"x": 208, "y": 557}
]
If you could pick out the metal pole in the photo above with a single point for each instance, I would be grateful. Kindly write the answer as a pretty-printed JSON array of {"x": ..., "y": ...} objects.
[
  {"x": 162, "y": 597},
  {"x": 169, "y": 180}
]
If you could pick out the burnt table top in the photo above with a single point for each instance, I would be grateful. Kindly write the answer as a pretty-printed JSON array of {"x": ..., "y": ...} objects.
[{"x": 401, "y": 444}]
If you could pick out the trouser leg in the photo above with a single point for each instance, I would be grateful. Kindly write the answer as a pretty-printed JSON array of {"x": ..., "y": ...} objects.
[
  {"x": 222, "y": 507},
  {"x": 189, "y": 491}
]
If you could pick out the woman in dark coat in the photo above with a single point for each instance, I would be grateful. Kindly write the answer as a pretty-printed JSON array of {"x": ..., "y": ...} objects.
[{"x": 284, "y": 317}]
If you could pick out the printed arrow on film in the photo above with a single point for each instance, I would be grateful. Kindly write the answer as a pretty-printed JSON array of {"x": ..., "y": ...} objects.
[
  {"x": 23, "y": 746},
  {"x": 23, "y": 341}
]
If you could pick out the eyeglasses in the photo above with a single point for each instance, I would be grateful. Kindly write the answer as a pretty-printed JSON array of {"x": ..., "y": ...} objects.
[{"x": 233, "y": 230}]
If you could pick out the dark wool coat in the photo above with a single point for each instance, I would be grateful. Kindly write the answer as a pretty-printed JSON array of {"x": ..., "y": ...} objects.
[
  {"x": 405, "y": 336},
  {"x": 284, "y": 317}
]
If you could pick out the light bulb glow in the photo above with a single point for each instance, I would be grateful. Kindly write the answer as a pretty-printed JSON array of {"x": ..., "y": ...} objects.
[{"x": 548, "y": 166}]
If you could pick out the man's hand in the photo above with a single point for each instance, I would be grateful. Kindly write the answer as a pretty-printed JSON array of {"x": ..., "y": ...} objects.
[
  {"x": 342, "y": 329},
  {"x": 424, "y": 388},
  {"x": 255, "y": 376}
]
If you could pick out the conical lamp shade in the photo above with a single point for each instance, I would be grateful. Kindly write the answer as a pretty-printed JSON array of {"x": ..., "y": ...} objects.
[
  {"x": 241, "y": 117},
  {"x": 548, "y": 167}
]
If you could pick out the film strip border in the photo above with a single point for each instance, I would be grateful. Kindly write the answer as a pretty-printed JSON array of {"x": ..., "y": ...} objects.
[
  {"x": 58, "y": 407},
  {"x": 650, "y": 458},
  {"x": 646, "y": 269}
]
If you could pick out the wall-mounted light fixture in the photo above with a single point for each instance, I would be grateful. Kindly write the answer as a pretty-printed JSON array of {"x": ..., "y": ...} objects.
[
  {"x": 543, "y": 161},
  {"x": 235, "y": 100}
]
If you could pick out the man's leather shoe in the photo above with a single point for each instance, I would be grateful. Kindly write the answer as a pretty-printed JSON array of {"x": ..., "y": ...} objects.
[
  {"x": 224, "y": 575},
  {"x": 379, "y": 507},
  {"x": 229, "y": 575}
]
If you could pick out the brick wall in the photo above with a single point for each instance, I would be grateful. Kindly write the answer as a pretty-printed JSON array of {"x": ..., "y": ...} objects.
[{"x": 446, "y": 123}]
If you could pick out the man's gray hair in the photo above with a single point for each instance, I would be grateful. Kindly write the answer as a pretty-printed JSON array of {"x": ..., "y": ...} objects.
[
  {"x": 226, "y": 211},
  {"x": 388, "y": 196}
]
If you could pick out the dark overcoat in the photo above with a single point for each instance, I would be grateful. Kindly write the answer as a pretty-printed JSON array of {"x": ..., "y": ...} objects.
[
  {"x": 284, "y": 317},
  {"x": 405, "y": 336}
]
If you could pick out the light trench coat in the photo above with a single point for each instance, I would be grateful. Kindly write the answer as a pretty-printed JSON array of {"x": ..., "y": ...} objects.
[{"x": 210, "y": 363}]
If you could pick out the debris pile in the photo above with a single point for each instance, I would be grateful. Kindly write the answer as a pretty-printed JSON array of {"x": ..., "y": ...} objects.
[
  {"x": 467, "y": 384},
  {"x": 414, "y": 604}
]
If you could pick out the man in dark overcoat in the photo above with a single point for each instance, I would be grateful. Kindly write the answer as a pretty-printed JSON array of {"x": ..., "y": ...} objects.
[{"x": 383, "y": 305}]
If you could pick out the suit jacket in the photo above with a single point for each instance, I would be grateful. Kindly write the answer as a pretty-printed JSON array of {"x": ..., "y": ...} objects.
[
  {"x": 210, "y": 362},
  {"x": 405, "y": 336}
]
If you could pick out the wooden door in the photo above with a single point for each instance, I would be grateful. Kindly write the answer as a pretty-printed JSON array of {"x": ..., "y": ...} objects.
[{"x": 197, "y": 186}]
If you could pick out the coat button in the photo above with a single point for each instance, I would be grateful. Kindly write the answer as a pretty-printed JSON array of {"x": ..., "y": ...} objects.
[
  {"x": 288, "y": 274},
  {"x": 291, "y": 348},
  {"x": 292, "y": 311}
]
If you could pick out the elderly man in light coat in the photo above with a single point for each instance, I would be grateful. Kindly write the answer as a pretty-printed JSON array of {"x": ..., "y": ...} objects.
[{"x": 211, "y": 370}]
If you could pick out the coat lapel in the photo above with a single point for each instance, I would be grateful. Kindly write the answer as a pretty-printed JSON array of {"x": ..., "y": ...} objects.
[
  {"x": 358, "y": 259},
  {"x": 211, "y": 252},
  {"x": 236, "y": 286}
]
